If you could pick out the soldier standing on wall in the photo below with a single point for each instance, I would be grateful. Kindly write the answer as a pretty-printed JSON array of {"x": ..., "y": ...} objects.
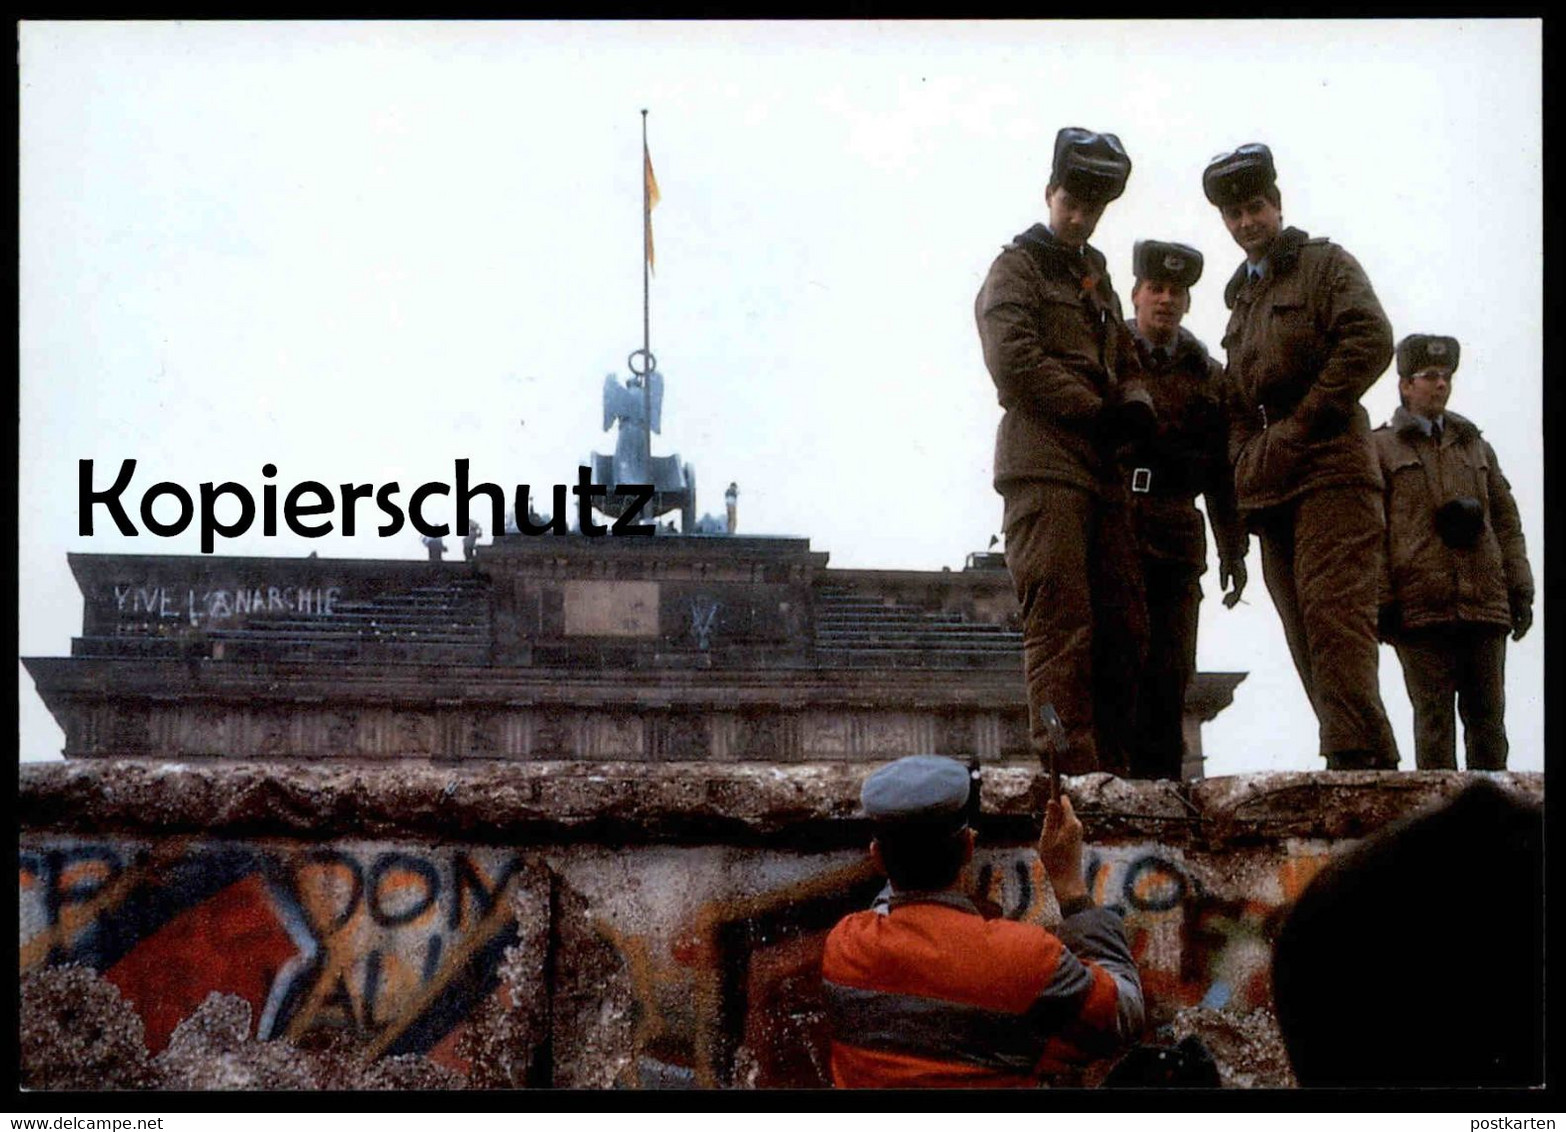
[
  {"x": 1188, "y": 455},
  {"x": 1066, "y": 373},
  {"x": 1458, "y": 567},
  {"x": 1306, "y": 339}
]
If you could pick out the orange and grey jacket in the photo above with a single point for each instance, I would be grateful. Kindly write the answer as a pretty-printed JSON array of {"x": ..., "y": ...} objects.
[{"x": 932, "y": 994}]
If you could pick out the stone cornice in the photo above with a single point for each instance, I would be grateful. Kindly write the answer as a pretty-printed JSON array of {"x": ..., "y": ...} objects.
[{"x": 283, "y": 682}]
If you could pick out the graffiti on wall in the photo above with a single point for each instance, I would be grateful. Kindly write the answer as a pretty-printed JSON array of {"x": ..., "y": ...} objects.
[
  {"x": 393, "y": 945},
  {"x": 733, "y": 996},
  {"x": 397, "y": 946},
  {"x": 201, "y": 606},
  {"x": 1196, "y": 943}
]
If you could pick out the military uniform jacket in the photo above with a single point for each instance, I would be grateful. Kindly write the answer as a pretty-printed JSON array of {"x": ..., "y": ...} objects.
[
  {"x": 1188, "y": 456},
  {"x": 932, "y": 994},
  {"x": 1304, "y": 344},
  {"x": 1435, "y": 583},
  {"x": 1056, "y": 347}
]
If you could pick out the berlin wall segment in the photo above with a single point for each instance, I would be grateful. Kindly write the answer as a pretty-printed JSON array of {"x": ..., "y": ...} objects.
[{"x": 686, "y": 956}]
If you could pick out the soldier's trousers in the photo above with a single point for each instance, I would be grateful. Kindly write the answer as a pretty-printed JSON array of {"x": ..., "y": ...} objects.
[
  {"x": 1466, "y": 661},
  {"x": 1322, "y": 559},
  {"x": 1174, "y": 597},
  {"x": 1073, "y": 563}
]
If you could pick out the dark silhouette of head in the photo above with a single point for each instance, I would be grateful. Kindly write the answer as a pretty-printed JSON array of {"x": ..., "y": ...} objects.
[{"x": 1417, "y": 958}]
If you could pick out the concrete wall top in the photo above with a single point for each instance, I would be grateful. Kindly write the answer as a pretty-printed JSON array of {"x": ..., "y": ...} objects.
[{"x": 814, "y": 803}]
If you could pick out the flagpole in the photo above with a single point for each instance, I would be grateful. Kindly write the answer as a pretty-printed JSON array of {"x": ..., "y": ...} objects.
[{"x": 646, "y": 301}]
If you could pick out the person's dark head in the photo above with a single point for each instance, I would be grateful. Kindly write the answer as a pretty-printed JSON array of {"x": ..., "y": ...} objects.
[
  {"x": 1088, "y": 171},
  {"x": 1243, "y": 186},
  {"x": 1425, "y": 365},
  {"x": 1416, "y": 958},
  {"x": 918, "y": 806},
  {"x": 917, "y": 860},
  {"x": 1161, "y": 295}
]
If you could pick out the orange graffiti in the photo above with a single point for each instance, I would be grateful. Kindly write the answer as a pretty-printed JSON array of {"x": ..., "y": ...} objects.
[
  {"x": 1297, "y": 872},
  {"x": 76, "y": 917}
]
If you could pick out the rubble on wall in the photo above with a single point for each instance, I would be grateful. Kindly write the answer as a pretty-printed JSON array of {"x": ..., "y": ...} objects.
[
  {"x": 77, "y": 1032},
  {"x": 1248, "y": 1047},
  {"x": 212, "y": 1049}
]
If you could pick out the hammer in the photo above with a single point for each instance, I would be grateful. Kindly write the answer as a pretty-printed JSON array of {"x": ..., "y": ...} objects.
[{"x": 1055, "y": 750}]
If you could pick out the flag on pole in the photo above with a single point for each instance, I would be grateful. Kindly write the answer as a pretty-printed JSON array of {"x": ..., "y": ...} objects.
[{"x": 651, "y": 196}]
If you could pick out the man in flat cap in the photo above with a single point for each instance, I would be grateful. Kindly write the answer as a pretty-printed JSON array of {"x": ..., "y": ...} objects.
[
  {"x": 930, "y": 993},
  {"x": 1458, "y": 575},
  {"x": 1067, "y": 375},
  {"x": 1187, "y": 456},
  {"x": 1306, "y": 339}
]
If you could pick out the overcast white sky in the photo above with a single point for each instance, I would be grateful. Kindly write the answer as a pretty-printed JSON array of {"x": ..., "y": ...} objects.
[{"x": 363, "y": 250}]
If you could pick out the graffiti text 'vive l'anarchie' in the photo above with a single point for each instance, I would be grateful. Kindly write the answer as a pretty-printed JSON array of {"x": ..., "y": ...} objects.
[
  {"x": 199, "y": 606},
  {"x": 311, "y": 498}
]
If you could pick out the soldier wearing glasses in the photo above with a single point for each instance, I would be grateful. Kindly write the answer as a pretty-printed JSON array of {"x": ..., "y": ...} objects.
[{"x": 1459, "y": 575}]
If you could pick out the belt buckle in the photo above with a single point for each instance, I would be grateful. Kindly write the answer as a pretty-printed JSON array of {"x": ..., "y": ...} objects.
[{"x": 1142, "y": 480}]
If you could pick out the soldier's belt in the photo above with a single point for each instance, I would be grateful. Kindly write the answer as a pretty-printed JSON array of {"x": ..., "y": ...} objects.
[
  {"x": 1266, "y": 415},
  {"x": 1163, "y": 479}
]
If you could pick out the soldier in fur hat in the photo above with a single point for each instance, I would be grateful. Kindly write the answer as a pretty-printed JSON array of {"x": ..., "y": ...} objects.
[
  {"x": 1188, "y": 456},
  {"x": 1068, "y": 377},
  {"x": 1306, "y": 338},
  {"x": 1458, "y": 576}
]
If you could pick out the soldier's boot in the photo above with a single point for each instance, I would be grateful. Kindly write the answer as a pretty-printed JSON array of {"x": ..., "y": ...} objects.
[{"x": 1360, "y": 760}]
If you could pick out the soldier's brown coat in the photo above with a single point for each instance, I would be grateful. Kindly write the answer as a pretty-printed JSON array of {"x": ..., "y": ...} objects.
[
  {"x": 1056, "y": 346},
  {"x": 1187, "y": 456},
  {"x": 1190, "y": 447},
  {"x": 1431, "y": 582},
  {"x": 1058, "y": 351},
  {"x": 1303, "y": 346}
]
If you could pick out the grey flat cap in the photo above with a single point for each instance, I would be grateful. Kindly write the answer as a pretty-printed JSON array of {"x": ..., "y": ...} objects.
[{"x": 919, "y": 789}]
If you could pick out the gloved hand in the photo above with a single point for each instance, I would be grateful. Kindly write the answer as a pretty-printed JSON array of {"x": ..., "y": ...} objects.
[
  {"x": 1521, "y": 602},
  {"x": 1232, "y": 570},
  {"x": 1389, "y": 621},
  {"x": 1128, "y": 421}
]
